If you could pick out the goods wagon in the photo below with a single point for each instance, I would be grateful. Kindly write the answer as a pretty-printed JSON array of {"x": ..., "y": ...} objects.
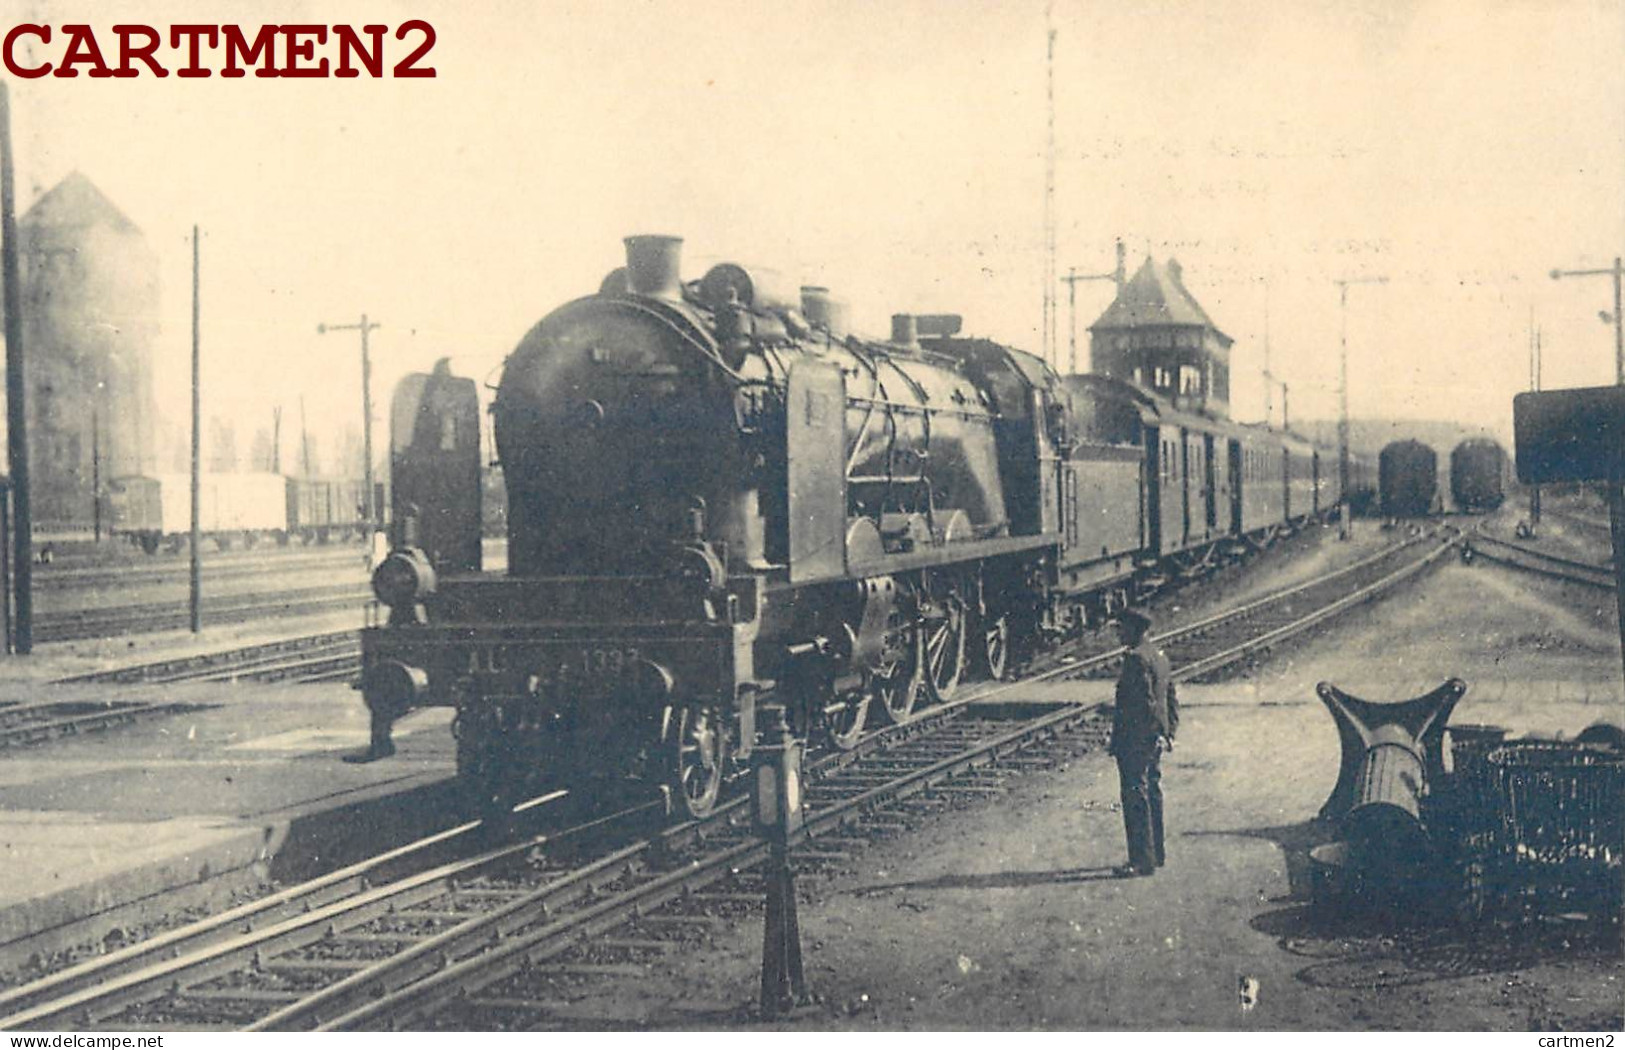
[{"x": 152, "y": 510}]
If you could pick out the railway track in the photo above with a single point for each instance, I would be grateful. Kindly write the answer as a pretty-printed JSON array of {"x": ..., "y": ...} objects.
[
  {"x": 510, "y": 935},
  {"x": 1593, "y": 522},
  {"x": 329, "y": 655},
  {"x": 103, "y": 577},
  {"x": 1543, "y": 563},
  {"x": 23, "y": 724},
  {"x": 167, "y": 616}
]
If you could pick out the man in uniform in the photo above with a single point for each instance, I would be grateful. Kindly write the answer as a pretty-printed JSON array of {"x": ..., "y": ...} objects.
[{"x": 1143, "y": 727}]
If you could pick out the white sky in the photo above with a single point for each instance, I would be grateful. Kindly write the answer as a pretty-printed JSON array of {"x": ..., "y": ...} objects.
[{"x": 895, "y": 152}]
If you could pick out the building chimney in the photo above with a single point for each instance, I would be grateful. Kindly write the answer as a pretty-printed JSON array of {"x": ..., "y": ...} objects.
[{"x": 652, "y": 266}]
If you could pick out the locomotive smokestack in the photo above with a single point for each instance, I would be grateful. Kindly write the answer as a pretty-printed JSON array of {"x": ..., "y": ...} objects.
[
  {"x": 903, "y": 332},
  {"x": 652, "y": 266}
]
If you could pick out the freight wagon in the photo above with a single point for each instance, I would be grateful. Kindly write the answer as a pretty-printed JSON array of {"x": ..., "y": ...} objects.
[{"x": 152, "y": 511}]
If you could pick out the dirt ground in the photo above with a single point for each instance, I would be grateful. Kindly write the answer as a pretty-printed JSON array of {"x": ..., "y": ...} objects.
[{"x": 1003, "y": 915}]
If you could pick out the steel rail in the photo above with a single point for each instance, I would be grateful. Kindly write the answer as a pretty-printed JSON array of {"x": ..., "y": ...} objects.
[
  {"x": 224, "y": 662},
  {"x": 1586, "y": 573},
  {"x": 405, "y": 971},
  {"x": 57, "y": 996},
  {"x": 70, "y": 720},
  {"x": 412, "y": 1002},
  {"x": 161, "y": 616},
  {"x": 384, "y": 994},
  {"x": 142, "y": 574},
  {"x": 1198, "y": 668}
]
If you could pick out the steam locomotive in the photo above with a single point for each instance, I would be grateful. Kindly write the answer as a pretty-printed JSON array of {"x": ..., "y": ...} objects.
[{"x": 716, "y": 493}]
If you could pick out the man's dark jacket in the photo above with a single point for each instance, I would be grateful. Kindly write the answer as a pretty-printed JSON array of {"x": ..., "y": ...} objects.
[{"x": 1147, "y": 706}]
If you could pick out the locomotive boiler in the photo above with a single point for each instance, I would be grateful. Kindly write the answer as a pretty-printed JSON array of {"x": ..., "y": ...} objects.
[
  {"x": 717, "y": 494},
  {"x": 714, "y": 493}
]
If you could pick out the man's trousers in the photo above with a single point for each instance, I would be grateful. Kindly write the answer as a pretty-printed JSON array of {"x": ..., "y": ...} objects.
[{"x": 1139, "y": 771}]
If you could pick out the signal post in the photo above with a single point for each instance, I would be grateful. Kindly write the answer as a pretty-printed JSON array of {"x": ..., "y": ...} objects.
[{"x": 776, "y": 798}]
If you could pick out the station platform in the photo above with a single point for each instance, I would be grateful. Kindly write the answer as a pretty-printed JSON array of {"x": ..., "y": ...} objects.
[{"x": 244, "y": 790}]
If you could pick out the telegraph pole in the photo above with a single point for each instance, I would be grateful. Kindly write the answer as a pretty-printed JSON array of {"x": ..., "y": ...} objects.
[
  {"x": 1534, "y": 509},
  {"x": 96, "y": 467},
  {"x": 16, "y": 389},
  {"x": 197, "y": 452},
  {"x": 1072, "y": 278},
  {"x": 1617, "y": 272},
  {"x": 1050, "y": 353},
  {"x": 1343, "y": 401},
  {"x": 1534, "y": 384},
  {"x": 304, "y": 439},
  {"x": 363, "y": 327},
  {"x": 1269, "y": 377}
]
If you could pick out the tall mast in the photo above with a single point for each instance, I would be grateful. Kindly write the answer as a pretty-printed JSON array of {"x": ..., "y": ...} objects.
[{"x": 1049, "y": 189}]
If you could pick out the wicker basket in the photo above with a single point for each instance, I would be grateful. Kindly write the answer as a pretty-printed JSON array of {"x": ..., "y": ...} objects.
[
  {"x": 1558, "y": 833},
  {"x": 1462, "y": 806}
]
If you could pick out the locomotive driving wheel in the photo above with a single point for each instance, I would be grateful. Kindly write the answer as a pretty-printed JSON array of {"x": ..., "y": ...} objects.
[
  {"x": 698, "y": 748},
  {"x": 945, "y": 647},
  {"x": 995, "y": 651},
  {"x": 845, "y": 721},
  {"x": 897, "y": 683}
]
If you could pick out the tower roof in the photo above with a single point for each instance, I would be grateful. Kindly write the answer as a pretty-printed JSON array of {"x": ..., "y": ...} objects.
[
  {"x": 75, "y": 201},
  {"x": 1156, "y": 295}
]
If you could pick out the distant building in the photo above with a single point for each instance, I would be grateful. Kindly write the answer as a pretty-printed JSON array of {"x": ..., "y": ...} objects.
[
  {"x": 90, "y": 314},
  {"x": 1156, "y": 335}
]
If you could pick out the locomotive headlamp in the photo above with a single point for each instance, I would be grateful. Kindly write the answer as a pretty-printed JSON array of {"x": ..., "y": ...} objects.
[{"x": 404, "y": 578}]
